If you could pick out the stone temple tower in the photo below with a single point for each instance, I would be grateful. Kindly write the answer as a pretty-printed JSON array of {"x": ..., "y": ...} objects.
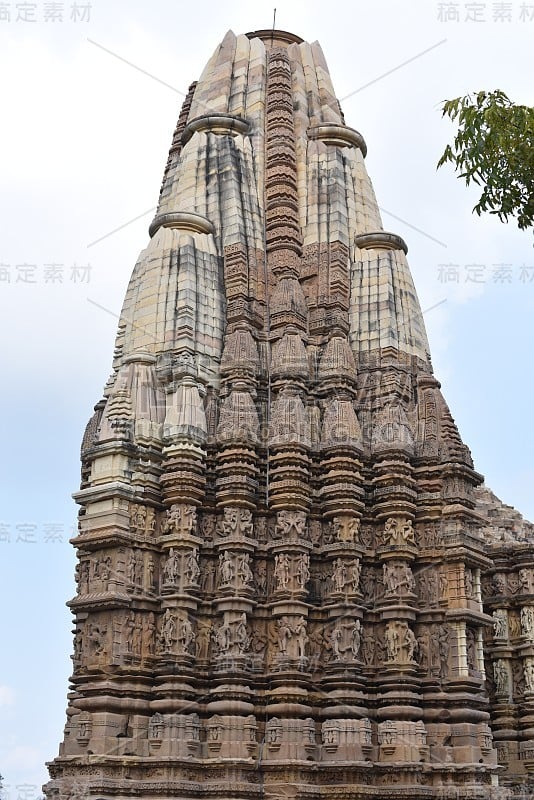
[{"x": 283, "y": 546}]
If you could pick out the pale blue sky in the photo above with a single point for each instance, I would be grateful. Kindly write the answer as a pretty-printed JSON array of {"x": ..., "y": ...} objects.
[{"x": 83, "y": 144}]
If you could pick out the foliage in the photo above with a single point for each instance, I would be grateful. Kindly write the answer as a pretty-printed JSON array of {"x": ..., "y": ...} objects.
[{"x": 494, "y": 149}]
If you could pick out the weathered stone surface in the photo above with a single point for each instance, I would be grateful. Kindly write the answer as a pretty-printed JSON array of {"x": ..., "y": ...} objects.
[{"x": 290, "y": 579}]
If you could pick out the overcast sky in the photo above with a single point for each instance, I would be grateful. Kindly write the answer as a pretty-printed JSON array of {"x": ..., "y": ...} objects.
[{"x": 83, "y": 142}]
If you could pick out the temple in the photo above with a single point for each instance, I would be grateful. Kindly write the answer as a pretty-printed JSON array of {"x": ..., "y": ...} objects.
[{"x": 291, "y": 581}]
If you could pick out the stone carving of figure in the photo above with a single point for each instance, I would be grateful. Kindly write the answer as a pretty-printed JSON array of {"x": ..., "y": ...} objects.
[
  {"x": 524, "y": 580},
  {"x": 527, "y": 622},
  {"x": 96, "y": 639},
  {"x": 149, "y": 630},
  {"x": 500, "y": 673},
  {"x": 469, "y": 589},
  {"x": 168, "y": 630},
  {"x": 390, "y": 578},
  {"x": 186, "y": 636},
  {"x": 346, "y": 639},
  {"x": 443, "y": 647},
  {"x": 290, "y": 524},
  {"x": 223, "y": 638},
  {"x": 432, "y": 586},
  {"x": 261, "y": 577},
  {"x": 392, "y": 642},
  {"x": 346, "y": 528},
  {"x": 316, "y": 529},
  {"x": 150, "y": 520},
  {"x": 336, "y": 639},
  {"x": 355, "y": 574},
  {"x": 302, "y": 570},
  {"x": 528, "y": 669},
  {"x": 130, "y": 626},
  {"x": 208, "y": 577},
  {"x": 471, "y": 649},
  {"x": 284, "y": 634},
  {"x": 242, "y": 639},
  {"x": 171, "y": 568},
  {"x": 244, "y": 573},
  {"x": 78, "y": 648},
  {"x": 150, "y": 568},
  {"x": 356, "y": 637},
  {"x": 230, "y": 521},
  {"x": 247, "y": 524},
  {"x": 368, "y": 650},
  {"x": 203, "y": 641},
  {"x": 140, "y": 519},
  {"x": 500, "y": 624},
  {"x": 104, "y": 572},
  {"x": 180, "y": 519},
  {"x": 368, "y": 583},
  {"x": 339, "y": 575},
  {"x": 226, "y": 568},
  {"x": 316, "y": 645},
  {"x": 281, "y": 570},
  {"x": 398, "y": 578},
  {"x": 423, "y": 651},
  {"x": 258, "y": 642},
  {"x": 261, "y": 529},
  {"x": 137, "y": 636},
  {"x": 410, "y": 643},
  {"x": 367, "y": 536},
  {"x": 398, "y": 532},
  {"x": 192, "y": 567},
  {"x": 139, "y": 568},
  {"x": 84, "y": 576},
  {"x": 130, "y": 569},
  {"x": 299, "y": 631},
  {"x": 514, "y": 625},
  {"x": 208, "y": 524}
]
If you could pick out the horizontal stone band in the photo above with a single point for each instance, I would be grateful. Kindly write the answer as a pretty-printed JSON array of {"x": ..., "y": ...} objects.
[
  {"x": 339, "y": 135},
  {"x": 222, "y": 124},
  {"x": 183, "y": 220},
  {"x": 380, "y": 239}
]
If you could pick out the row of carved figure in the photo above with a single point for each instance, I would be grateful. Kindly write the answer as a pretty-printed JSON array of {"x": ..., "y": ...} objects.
[
  {"x": 509, "y": 584},
  {"x": 138, "y": 637},
  {"x": 289, "y": 525},
  {"x": 180, "y": 570},
  {"x": 514, "y": 624},
  {"x": 505, "y": 679},
  {"x": 512, "y": 676}
]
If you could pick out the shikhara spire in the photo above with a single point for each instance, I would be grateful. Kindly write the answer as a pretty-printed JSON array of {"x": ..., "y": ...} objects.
[{"x": 283, "y": 552}]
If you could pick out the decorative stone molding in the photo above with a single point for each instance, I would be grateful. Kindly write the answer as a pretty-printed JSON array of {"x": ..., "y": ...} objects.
[
  {"x": 220, "y": 124},
  {"x": 181, "y": 220},
  {"x": 380, "y": 240},
  {"x": 339, "y": 136}
]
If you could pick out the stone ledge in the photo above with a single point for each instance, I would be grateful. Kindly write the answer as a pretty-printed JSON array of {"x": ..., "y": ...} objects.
[
  {"x": 276, "y": 37},
  {"x": 222, "y": 124},
  {"x": 382, "y": 240},
  {"x": 338, "y": 135},
  {"x": 182, "y": 220}
]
